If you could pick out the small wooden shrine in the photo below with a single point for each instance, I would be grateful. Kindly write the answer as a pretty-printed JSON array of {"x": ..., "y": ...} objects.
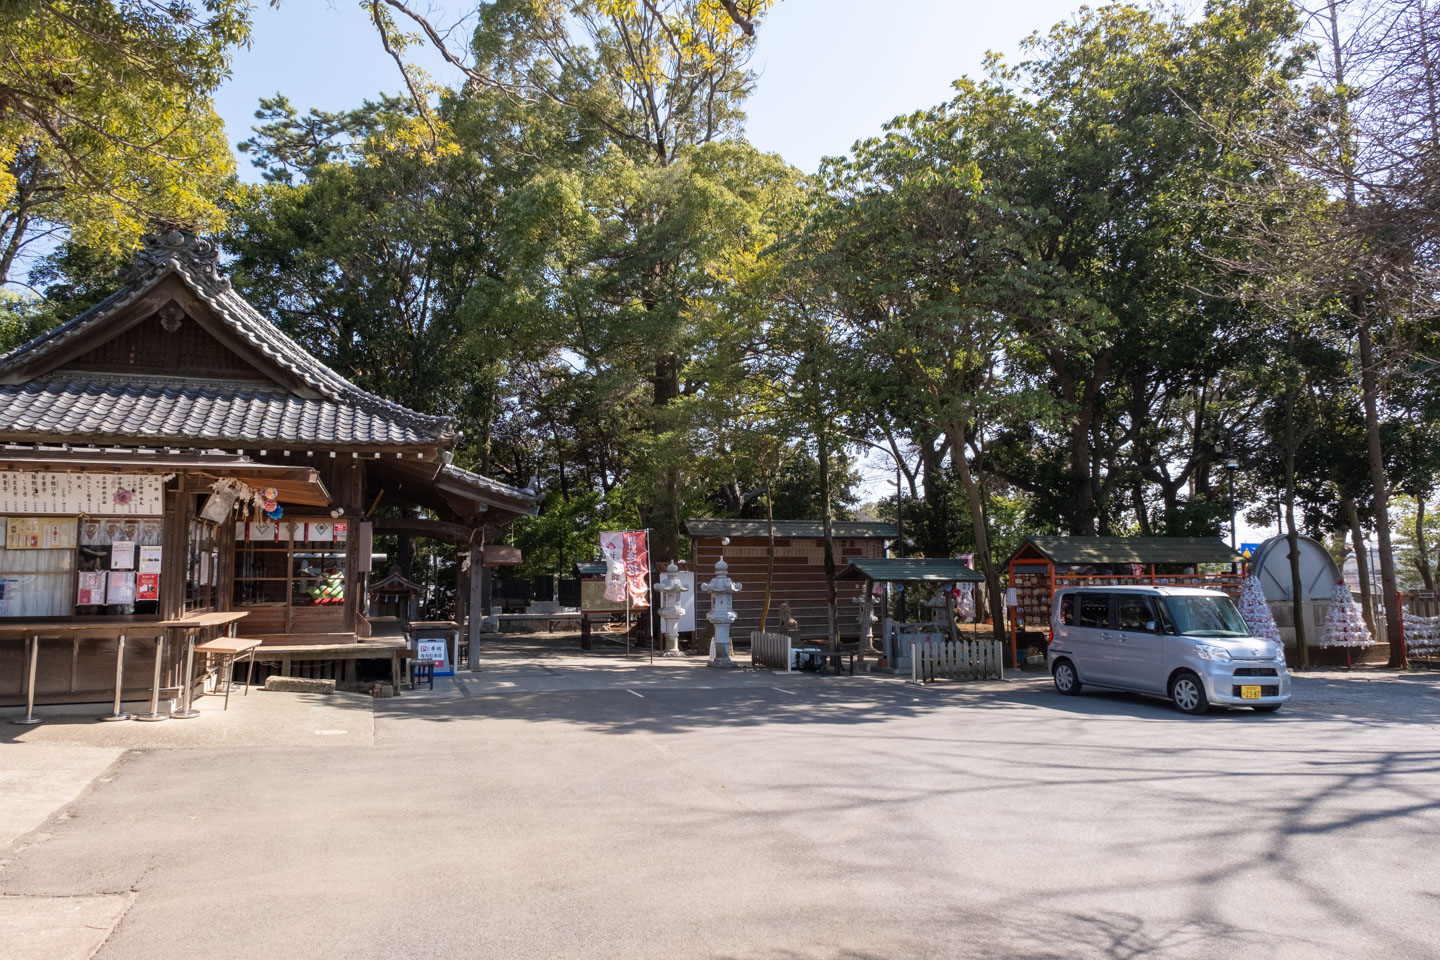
[{"x": 1044, "y": 564}]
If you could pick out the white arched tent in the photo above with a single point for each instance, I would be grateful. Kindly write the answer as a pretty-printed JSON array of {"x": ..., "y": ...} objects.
[{"x": 1318, "y": 576}]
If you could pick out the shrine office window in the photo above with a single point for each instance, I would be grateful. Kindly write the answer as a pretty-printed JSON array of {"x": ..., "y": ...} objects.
[{"x": 202, "y": 564}]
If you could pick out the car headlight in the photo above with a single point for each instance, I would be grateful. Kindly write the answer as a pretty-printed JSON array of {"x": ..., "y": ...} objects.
[{"x": 1206, "y": 652}]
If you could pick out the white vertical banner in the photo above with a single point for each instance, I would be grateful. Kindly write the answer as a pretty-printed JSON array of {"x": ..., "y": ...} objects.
[{"x": 612, "y": 549}]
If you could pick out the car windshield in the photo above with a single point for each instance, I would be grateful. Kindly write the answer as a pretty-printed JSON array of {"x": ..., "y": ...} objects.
[{"x": 1206, "y": 617}]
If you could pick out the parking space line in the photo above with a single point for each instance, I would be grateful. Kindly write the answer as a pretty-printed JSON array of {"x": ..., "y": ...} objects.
[
  {"x": 783, "y": 690},
  {"x": 640, "y": 695}
]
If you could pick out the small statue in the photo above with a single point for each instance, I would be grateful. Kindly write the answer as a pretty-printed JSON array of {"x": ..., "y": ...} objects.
[{"x": 788, "y": 624}]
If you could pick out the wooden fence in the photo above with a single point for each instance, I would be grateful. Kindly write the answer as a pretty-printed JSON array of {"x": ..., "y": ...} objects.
[
  {"x": 960, "y": 660},
  {"x": 770, "y": 650}
]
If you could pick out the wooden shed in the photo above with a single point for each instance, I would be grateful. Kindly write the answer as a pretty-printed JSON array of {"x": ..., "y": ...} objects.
[
  {"x": 799, "y": 569},
  {"x": 139, "y": 442}
]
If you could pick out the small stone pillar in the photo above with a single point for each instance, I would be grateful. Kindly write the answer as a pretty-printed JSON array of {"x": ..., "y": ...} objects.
[
  {"x": 866, "y": 602},
  {"x": 672, "y": 590},
  {"x": 721, "y": 589}
]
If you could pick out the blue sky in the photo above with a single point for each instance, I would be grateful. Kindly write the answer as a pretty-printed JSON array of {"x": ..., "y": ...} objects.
[{"x": 831, "y": 71}]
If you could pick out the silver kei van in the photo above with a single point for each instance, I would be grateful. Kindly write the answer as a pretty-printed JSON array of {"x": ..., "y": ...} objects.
[{"x": 1188, "y": 644}]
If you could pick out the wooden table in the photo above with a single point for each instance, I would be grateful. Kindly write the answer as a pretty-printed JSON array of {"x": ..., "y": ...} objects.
[
  {"x": 229, "y": 648},
  {"x": 825, "y": 656},
  {"x": 188, "y": 625}
]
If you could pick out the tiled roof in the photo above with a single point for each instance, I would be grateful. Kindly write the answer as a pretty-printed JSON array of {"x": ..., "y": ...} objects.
[
  {"x": 182, "y": 411},
  {"x": 1169, "y": 550},
  {"x": 845, "y": 529},
  {"x": 194, "y": 261},
  {"x": 910, "y": 570},
  {"x": 475, "y": 483}
]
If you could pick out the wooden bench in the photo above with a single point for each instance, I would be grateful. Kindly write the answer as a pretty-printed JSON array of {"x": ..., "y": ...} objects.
[{"x": 228, "y": 649}]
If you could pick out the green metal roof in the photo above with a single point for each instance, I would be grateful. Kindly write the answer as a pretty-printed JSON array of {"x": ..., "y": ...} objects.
[
  {"x": 845, "y": 530},
  {"x": 1072, "y": 551},
  {"x": 909, "y": 569}
]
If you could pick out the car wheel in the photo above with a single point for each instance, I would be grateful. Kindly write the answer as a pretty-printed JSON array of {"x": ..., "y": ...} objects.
[
  {"x": 1266, "y": 707},
  {"x": 1067, "y": 681},
  {"x": 1188, "y": 693}
]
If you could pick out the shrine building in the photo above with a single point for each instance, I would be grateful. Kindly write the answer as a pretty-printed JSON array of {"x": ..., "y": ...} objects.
[{"x": 169, "y": 456}]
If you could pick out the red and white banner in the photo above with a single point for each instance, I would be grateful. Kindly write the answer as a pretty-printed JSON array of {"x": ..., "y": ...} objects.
[{"x": 627, "y": 567}]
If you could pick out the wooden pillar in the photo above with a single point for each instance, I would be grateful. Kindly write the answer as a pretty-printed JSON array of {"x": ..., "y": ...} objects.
[
  {"x": 478, "y": 601},
  {"x": 174, "y": 553},
  {"x": 348, "y": 493}
]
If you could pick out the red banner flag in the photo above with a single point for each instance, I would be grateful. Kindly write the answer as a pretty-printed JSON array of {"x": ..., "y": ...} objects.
[
  {"x": 627, "y": 567},
  {"x": 637, "y": 568}
]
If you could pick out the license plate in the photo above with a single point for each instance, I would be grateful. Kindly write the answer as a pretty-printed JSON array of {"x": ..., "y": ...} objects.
[{"x": 1250, "y": 693}]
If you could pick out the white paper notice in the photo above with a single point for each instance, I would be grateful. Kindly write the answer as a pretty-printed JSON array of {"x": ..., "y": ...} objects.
[
  {"x": 150, "y": 559},
  {"x": 122, "y": 555},
  {"x": 120, "y": 587},
  {"x": 92, "y": 588}
]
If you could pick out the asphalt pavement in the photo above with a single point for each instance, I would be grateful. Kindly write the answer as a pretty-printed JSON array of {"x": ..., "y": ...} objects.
[{"x": 556, "y": 806}]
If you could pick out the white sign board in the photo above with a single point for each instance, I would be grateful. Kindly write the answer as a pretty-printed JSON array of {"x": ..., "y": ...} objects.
[
  {"x": 436, "y": 650},
  {"x": 687, "y": 601},
  {"x": 102, "y": 494}
]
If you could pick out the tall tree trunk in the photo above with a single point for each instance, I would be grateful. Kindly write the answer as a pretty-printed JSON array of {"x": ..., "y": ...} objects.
[
  {"x": 1422, "y": 553},
  {"x": 1389, "y": 583},
  {"x": 664, "y": 513},
  {"x": 405, "y": 555},
  {"x": 1362, "y": 561},
  {"x": 769, "y": 556},
  {"x": 827, "y": 521},
  {"x": 975, "y": 496},
  {"x": 1369, "y": 377},
  {"x": 1292, "y": 535}
]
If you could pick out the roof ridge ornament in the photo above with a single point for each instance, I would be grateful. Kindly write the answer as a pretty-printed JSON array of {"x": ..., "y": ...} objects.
[{"x": 198, "y": 256}]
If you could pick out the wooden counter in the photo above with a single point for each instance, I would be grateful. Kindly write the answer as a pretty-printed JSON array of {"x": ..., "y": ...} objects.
[{"x": 215, "y": 619}]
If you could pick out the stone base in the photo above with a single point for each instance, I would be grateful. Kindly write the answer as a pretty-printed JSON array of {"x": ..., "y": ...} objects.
[
  {"x": 299, "y": 685},
  {"x": 723, "y": 664},
  {"x": 672, "y": 653}
]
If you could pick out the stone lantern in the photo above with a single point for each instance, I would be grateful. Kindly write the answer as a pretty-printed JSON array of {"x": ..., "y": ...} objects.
[
  {"x": 672, "y": 590},
  {"x": 721, "y": 589}
]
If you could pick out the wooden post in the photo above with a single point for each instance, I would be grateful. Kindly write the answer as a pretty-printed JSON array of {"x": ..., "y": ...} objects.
[
  {"x": 174, "y": 553},
  {"x": 867, "y": 609},
  {"x": 478, "y": 607}
]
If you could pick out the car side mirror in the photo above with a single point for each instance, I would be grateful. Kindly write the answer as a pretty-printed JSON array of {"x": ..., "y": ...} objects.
[{"x": 1150, "y": 627}]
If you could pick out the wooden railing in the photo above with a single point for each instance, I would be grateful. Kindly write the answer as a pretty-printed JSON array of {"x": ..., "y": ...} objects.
[
  {"x": 957, "y": 660},
  {"x": 771, "y": 650}
]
